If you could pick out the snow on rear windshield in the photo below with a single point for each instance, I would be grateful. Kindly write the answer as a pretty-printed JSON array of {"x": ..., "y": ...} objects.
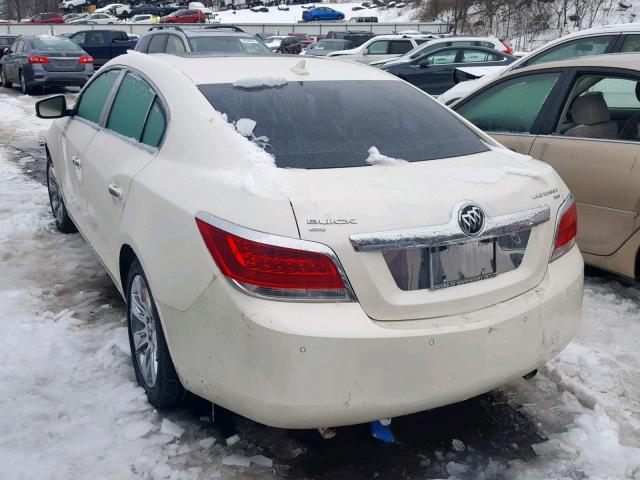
[{"x": 330, "y": 124}]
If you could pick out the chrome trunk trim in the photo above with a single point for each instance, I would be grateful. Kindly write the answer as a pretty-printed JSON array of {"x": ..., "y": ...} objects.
[{"x": 449, "y": 233}]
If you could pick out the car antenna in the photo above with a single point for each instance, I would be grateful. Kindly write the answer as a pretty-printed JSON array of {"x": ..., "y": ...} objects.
[{"x": 300, "y": 68}]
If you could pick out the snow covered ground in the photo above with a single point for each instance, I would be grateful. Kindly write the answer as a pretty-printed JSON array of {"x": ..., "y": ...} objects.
[{"x": 70, "y": 407}]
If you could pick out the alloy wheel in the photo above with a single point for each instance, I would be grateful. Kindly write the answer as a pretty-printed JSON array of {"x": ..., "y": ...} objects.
[
  {"x": 143, "y": 330},
  {"x": 23, "y": 83}
]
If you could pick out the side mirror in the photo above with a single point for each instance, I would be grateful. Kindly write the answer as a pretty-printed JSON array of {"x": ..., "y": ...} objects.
[
  {"x": 8, "y": 51},
  {"x": 52, "y": 107}
]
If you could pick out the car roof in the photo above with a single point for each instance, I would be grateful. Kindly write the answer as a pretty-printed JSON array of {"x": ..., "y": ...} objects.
[
  {"x": 613, "y": 60},
  {"x": 216, "y": 69}
]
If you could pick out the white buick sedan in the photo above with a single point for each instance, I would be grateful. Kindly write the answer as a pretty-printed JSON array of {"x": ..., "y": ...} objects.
[{"x": 319, "y": 245}]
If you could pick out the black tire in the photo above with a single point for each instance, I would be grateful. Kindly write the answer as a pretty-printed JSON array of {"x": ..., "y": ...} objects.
[
  {"x": 4, "y": 81},
  {"x": 165, "y": 391},
  {"x": 315, "y": 18},
  {"x": 24, "y": 86},
  {"x": 63, "y": 222},
  {"x": 340, "y": 17}
]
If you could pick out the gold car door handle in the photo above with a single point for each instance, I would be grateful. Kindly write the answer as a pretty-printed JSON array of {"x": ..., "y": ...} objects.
[
  {"x": 115, "y": 192},
  {"x": 76, "y": 161}
]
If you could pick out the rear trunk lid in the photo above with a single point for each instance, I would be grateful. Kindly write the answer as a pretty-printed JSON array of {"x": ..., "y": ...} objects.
[
  {"x": 63, "y": 61},
  {"x": 347, "y": 209}
]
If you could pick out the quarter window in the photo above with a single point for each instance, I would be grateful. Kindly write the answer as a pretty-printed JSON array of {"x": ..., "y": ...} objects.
[
  {"x": 175, "y": 45},
  {"x": 577, "y": 48},
  {"x": 510, "y": 106},
  {"x": 130, "y": 107},
  {"x": 155, "y": 126},
  {"x": 631, "y": 44},
  {"x": 474, "y": 56},
  {"x": 95, "y": 96}
]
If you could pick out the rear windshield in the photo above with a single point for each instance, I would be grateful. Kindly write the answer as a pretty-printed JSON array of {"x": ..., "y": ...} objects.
[
  {"x": 331, "y": 124},
  {"x": 53, "y": 44},
  {"x": 228, "y": 45}
]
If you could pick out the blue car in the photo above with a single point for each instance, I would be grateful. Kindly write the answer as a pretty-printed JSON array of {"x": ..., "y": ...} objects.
[{"x": 321, "y": 13}]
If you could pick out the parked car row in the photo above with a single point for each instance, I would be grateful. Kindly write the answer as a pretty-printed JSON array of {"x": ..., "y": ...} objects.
[{"x": 110, "y": 14}]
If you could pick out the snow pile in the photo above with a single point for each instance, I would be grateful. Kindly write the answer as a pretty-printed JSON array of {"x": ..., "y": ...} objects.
[
  {"x": 376, "y": 158},
  {"x": 260, "y": 82},
  {"x": 245, "y": 127}
]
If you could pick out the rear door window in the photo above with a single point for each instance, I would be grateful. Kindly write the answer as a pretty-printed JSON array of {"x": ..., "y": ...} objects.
[
  {"x": 573, "y": 49},
  {"x": 94, "y": 97},
  {"x": 511, "y": 106},
  {"x": 131, "y": 107},
  {"x": 158, "y": 44},
  {"x": 400, "y": 47},
  {"x": 381, "y": 47},
  {"x": 331, "y": 124}
]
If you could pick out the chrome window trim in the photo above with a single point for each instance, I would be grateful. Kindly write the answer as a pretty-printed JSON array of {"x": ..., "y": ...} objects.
[
  {"x": 449, "y": 233},
  {"x": 582, "y": 139},
  {"x": 280, "y": 241}
]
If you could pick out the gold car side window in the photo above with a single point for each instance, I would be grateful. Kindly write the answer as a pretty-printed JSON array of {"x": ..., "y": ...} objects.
[{"x": 602, "y": 106}]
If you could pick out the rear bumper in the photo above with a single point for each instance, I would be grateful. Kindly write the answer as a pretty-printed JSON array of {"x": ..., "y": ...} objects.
[
  {"x": 309, "y": 365},
  {"x": 38, "y": 76}
]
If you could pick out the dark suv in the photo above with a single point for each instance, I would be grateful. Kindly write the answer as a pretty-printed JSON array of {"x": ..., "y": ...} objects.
[
  {"x": 211, "y": 39},
  {"x": 34, "y": 62}
]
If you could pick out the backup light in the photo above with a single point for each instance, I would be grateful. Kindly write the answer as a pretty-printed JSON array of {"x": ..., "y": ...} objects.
[
  {"x": 566, "y": 228},
  {"x": 273, "y": 271}
]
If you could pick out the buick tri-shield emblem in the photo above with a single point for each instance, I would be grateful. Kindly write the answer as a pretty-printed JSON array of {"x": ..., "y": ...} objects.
[{"x": 471, "y": 219}]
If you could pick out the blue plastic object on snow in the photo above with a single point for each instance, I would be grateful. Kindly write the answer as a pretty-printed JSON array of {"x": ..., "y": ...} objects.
[{"x": 381, "y": 432}]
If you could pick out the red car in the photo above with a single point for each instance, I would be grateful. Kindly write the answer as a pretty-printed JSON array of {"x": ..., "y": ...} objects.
[
  {"x": 184, "y": 16},
  {"x": 305, "y": 39},
  {"x": 43, "y": 18}
]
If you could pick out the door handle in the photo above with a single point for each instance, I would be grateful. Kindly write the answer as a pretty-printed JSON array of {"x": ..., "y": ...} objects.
[
  {"x": 114, "y": 191},
  {"x": 76, "y": 161}
]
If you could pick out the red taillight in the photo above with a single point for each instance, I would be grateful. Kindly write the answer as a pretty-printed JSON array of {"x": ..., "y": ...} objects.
[
  {"x": 508, "y": 49},
  {"x": 38, "y": 59},
  {"x": 566, "y": 228},
  {"x": 86, "y": 59},
  {"x": 273, "y": 270}
]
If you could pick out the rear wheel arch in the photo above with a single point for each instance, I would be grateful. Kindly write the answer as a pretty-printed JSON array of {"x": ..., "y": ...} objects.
[{"x": 127, "y": 257}]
